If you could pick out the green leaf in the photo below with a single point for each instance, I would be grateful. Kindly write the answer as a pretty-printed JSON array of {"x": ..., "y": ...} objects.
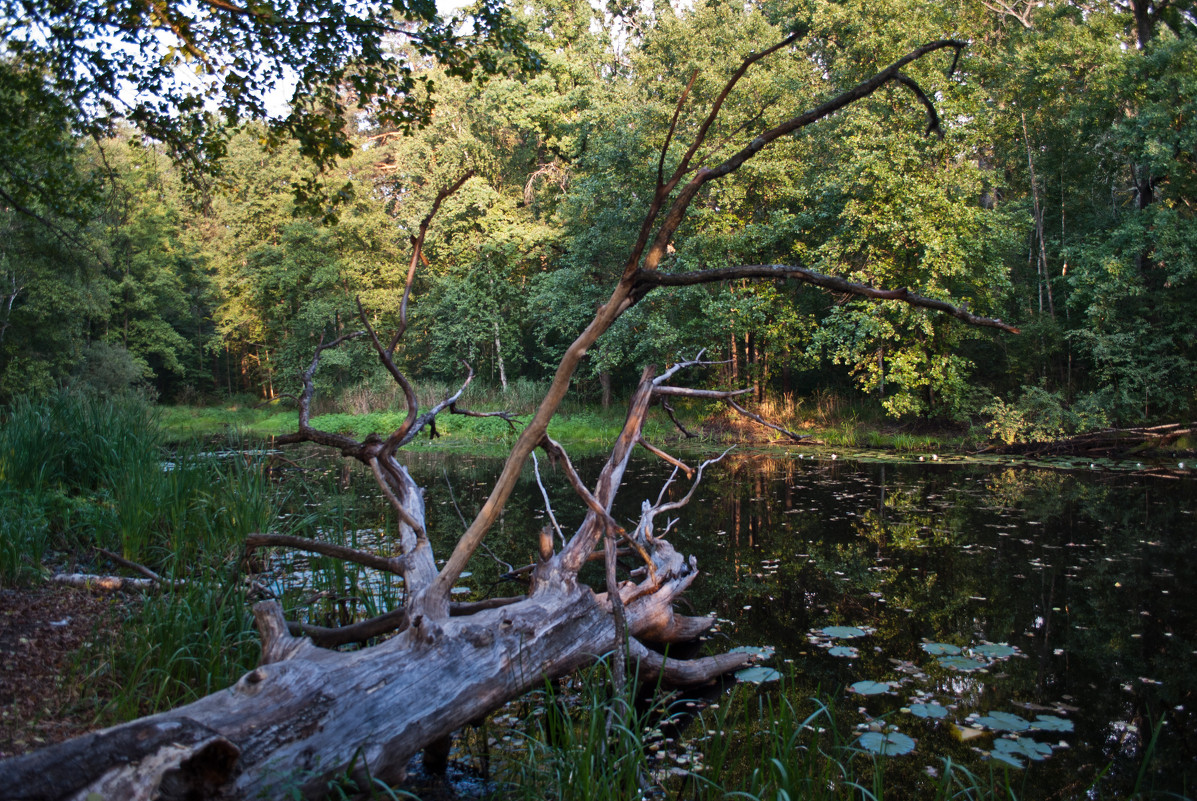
[
  {"x": 994, "y": 650},
  {"x": 965, "y": 664},
  {"x": 1051, "y": 723},
  {"x": 843, "y": 632},
  {"x": 1024, "y": 747},
  {"x": 928, "y": 711}
]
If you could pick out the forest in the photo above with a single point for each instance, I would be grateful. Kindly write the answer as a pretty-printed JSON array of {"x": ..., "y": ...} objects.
[
  {"x": 245, "y": 204},
  {"x": 1058, "y": 195}
]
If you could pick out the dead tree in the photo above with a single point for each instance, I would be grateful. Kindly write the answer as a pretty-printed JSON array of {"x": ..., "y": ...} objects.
[{"x": 310, "y": 713}]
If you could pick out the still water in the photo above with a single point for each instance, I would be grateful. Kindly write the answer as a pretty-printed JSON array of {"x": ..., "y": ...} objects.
[{"x": 1053, "y": 607}]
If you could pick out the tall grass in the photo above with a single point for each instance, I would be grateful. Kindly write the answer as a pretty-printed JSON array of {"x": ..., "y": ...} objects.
[
  {"x": 593, "y": 749},
  {"x": 751, "y": 746},
  {"x": 68, "y": 463},
  {"x": 82, "y": 473}
]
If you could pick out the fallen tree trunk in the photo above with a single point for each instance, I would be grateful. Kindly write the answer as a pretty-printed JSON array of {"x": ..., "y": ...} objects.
[
  {"x": 309, "y": 716},
  {"x": 1121, "y": 442}
]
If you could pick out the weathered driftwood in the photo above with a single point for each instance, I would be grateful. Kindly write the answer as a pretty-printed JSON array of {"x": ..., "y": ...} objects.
[{"x": 309, "y": 715}]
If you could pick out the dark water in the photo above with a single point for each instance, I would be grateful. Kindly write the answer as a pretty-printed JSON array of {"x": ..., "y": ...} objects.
[{"x": 1089, "y": 575}]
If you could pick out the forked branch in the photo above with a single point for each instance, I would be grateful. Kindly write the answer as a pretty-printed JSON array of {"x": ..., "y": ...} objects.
[{"x": 641, "y": 276}]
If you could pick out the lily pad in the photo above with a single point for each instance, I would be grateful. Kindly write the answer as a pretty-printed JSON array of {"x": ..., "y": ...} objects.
[
  {"x": 843, "y": 650},
  {"x": 934, "y": 711},
  {"x": 843, "y": 632},
  {"x": 1051, "y": 723},
  {"x": 870, "y": 687},
  {"x": 759, "y": 651},
  {"x": 758, "y": 675},
  {"x": 964, "y": 664},
  {"x": 1009, "y": 759},
  {"x": 940, "y": 649},
  {"x": 1004, "y": 721},
  {"x": 995, "y": 650},
  {"x": 1023, "y": 747},
  {"x": 893, "y": 743}
]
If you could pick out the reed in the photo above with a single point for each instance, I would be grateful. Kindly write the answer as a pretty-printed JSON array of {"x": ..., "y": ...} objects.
[{"x": 753, "y": 745}]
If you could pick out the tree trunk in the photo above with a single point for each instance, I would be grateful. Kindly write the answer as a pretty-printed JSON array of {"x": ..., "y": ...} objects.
[
  {"x": 308, "y": 716},
  {"x": 499, "y": 358}
]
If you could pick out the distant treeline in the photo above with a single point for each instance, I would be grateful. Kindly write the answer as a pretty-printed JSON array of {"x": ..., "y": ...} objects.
[{"x": 1060, "y": 198}]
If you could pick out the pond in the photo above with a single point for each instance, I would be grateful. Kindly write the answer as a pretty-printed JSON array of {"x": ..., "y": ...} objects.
[{"x": 1045, "y": 617}]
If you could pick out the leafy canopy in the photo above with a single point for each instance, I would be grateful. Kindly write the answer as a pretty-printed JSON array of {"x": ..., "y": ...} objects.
[{"x": 182, "y": 73}]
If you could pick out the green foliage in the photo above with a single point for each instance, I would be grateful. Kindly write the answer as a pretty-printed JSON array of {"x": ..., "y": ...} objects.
[
  {"x": 336, "y": 59},
  {"x": 1059, "y": 197},
  {"x": 1038, "y": 415}
]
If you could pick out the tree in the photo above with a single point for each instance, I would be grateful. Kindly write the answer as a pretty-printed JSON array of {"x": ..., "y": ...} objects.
[
  {"x": 185, "y": 73},
  {"x": 320, "y": 712}
]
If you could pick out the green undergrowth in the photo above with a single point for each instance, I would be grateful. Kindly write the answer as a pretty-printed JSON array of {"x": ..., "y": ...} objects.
[
  {"x": 83, "y": 475},
  {"x": 586, "y": 429}
]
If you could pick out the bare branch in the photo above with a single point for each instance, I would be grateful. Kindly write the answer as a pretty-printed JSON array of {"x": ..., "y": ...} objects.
[
  {"x": 388, "y": 564},
  {"x": 325, "y": 637},
  {"x": 675, "y": 214},
  {"x": 644, "y": 528},
  {"x": 397, "y": 505},
  {"x": 306, "y": 433},
  {"x": 409, "y": 394},
  {"x": 411, "y": 427},
  {"x": 932, "y": 114},
  {"x": 639, "y": 278},
  {"x": 669, "y": 411},
  {"x": 651, "y": 278},
  {"x": 417, "y": 249},
  {"x": 653, "y": 667},
  {"x": 766, "y": 423},
  {"x": 544, "y": 493},
  {"x": 1008, "y": 10},
  {"x": 677, "y": 111},
  {"x": 142, "y": 569},
  {"x": 660, "y": 454}
]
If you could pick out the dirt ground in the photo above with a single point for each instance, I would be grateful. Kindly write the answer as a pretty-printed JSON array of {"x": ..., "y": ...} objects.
[{"x": 43, "y": 698}]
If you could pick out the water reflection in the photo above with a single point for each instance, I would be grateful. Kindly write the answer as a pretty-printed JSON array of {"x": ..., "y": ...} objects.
[{"x": 1089, "y": 575}]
